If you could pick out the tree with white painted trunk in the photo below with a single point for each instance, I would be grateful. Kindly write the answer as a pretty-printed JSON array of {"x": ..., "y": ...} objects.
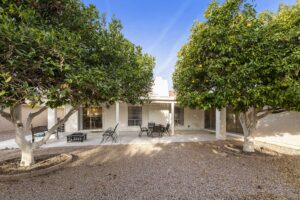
[
  {"x": 249, "y": 120},
  {"x": 55, "y": 53},
  {"x": 14, "y": 116},
  {"x": 244, "y": 60}
]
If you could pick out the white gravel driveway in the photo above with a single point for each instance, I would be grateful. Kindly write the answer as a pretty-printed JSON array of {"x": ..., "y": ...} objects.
[{"x": 198, "y": 170}]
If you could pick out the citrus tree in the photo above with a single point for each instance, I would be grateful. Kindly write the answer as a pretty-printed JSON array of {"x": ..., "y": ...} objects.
[
  {"x": 55, "y": 53},
  {"x": 243, "y": 60}
]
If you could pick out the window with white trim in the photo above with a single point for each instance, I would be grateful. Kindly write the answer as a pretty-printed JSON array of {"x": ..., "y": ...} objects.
[{"x": 134, "y": 115}]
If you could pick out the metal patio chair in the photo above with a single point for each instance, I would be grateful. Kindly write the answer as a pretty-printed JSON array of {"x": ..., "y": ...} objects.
[
  {"x": 143, "y": 130},
  {"x": 110, "y": 134},
  {"x": 166, "y": 130},
  {"x": 150, "y": 127}
]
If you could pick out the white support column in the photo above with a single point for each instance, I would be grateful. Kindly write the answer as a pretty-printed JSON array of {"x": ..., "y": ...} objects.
[
  {"x": 52, "y": 117},
  {"x": 221, "y": 124},
  {"x": 117, "y": 112},
  {"x": 172, "y": 118}
]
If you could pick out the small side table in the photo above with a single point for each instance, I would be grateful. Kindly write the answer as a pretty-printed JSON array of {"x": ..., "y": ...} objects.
[{"x": 76, "y": 137}]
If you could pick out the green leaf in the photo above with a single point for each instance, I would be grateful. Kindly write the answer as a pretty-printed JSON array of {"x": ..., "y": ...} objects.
[
  {"x": 8, "y": 79},
  {"x": 2, "y": 93}
]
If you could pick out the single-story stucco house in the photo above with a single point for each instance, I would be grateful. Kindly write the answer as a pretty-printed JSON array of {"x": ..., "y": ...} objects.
[{"x": 162, "y": 109}]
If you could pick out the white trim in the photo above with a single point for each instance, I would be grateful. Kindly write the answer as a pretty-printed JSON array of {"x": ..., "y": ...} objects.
[
  {"x": 162, "y": 98},
  {"x": 91, "y": 130},
  {"x": 209, "y": 130}
]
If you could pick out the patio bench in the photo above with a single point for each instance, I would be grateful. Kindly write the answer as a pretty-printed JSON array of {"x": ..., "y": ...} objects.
[{"x": 40, "y": 131}]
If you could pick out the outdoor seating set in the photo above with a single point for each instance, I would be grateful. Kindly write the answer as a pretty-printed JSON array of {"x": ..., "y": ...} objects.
[
  {"x": 40, "y": 131},
  {"x": 110, "y": 133},
  {"x": 154, "y": 130}
]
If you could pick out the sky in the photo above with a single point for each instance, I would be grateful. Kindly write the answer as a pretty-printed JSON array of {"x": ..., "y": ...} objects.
[{"x": 161, "y": 27}]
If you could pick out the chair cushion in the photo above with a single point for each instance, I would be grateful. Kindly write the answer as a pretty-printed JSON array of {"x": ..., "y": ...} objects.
[{"x": 40, "y": 134}]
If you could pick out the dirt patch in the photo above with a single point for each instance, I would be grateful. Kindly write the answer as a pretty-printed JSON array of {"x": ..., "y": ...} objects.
[
  {"x": 237, "y": 148},
  {"x": 12, "y": 166}
]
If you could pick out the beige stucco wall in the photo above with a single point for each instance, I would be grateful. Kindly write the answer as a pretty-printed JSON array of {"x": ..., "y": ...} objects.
[
  {"x": 5, "y": 125},
  {"x": 40, "y": 120},
  {"x": 159, "y": 113},
  {"x": 155, "y": 112},
  {"x": 193, "y": 120},
  {"x": 279, "y": 124},
  {"x": 109, "y": 116}
]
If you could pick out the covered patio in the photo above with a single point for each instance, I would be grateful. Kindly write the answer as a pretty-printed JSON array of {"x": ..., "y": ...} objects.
[
  {"x": 160, "y": 110},
  {"x": 125, "y": 137}
]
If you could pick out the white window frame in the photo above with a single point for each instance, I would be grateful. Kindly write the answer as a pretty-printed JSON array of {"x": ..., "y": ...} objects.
[{"x": 136, "y": 121}]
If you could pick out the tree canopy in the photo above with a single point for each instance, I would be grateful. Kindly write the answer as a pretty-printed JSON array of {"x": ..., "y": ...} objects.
[
  {"x": 61, "y": 52},
  {"x": 58, "y": 52},
  {"x": 241, "y": 59}
]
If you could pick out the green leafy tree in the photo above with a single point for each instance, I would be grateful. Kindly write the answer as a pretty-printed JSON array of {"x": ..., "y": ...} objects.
[
  {"x": 60, "y": 52},
  {"x": 243, "y": 60}
]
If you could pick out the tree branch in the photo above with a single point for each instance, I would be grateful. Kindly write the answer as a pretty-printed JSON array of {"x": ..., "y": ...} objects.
[
  {"x": 5, "y": 115},
  {"x": 15, "y": 112},
  {"x": 264, "y": 114},
  {"x": 54, "y": 128},
  {"x": 31, "y": 116},
  {"x": 9, "y": 52}
]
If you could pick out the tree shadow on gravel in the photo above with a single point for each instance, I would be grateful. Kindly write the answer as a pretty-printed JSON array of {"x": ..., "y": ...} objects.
[{"x": 206, "y": 170}]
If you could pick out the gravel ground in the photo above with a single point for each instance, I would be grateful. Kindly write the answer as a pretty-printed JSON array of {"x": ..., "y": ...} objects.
[{"x": 204, "y": 170}]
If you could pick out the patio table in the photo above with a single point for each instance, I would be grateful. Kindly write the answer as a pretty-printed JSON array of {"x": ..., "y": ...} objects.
[
  {"x": 76, "y": 137},
  {"x": 157, "y": 129}
]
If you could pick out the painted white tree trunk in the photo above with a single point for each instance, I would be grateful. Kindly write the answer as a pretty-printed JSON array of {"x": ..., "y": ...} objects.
[
  {"x": 248, "y": 122},
  {"x": 27, "y": 147},
  {"x": 248, "y": 141},
  {"x": 27, "y": 157}
]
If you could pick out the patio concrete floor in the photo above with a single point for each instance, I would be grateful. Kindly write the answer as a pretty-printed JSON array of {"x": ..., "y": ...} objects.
[
  {"x": 285, "y": 143},
  {"x": 124, "y": 138}
]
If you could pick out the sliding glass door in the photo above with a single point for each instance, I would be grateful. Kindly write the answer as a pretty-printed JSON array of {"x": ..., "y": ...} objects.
[
  {"x": 233, "y": 124},
  {"x": 91, "y": 118},
  {"x": 210, "y": 119}
]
